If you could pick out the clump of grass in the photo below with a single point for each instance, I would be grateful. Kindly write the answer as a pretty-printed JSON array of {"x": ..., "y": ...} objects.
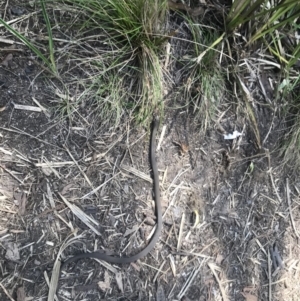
[
  {"x": 270, "y": 22},
  {"x": 205, "y": 84},
  {"x": 110, "y": 97},
  {"x": 273, "y": 24},
  {"x": 131, "y": 33}
]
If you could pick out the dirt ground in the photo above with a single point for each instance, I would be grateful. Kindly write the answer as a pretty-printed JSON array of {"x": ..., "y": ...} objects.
[{"x": 230, "y": 209}]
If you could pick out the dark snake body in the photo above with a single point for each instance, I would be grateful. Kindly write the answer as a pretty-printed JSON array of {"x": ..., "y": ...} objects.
[{"x": 156, "y": 235}]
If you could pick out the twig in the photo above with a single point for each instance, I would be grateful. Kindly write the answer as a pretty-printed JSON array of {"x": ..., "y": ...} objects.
[
  {"x": 110, "y": 147},
  {"x": 213, "y": 268},
  {"x": 18, "y": 131},
  {"x": 27, "y": 108},
  {"x": 95, "y": 190},
  {"x": 41, "y": 107},
  {"x": 172, "y": 264},
  {"x": 180, "y": 232},
  {"x": 6, "y": 292},
  {"x": 81, "y": 215},
  {"x": 290, "y": 207},
  {"x": 54, "y": 164},
  {"x": 137, "y": 173},
  {"x": 271, "y": 176},
  {"x": 189, "y": 282},
  {"x": 270, "y": 276},
  {"x": 180, "y": 173},
  {"x": 172, "y": 201},
  {"x": 272, "y": 123},
  {"x": 159, "y": 271},
  {"x": 20, "y": 18},
  {"x": 10, "y": 173},
  {"x": 80, "y": 169},
  {"x": 52, "y": 203},
  {"x": 5, "y": 9}
]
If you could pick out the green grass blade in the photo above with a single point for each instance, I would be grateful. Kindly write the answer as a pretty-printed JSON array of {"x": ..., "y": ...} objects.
[
  {"x": 296, "y": 56},
  {"x": 238, "y": 15},
  {"x": 281, "y": 24},
  {"x": 276, "y": 52},
  {"x": 27, "y": 43},
  {"x": 50, "y": 38}
]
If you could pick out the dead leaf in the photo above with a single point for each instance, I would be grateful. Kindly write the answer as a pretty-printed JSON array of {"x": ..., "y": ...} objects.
[
  {"x": 20, "y": 201},
  {"x": 135, "y": 266},
  {"x": 183, "y": 147},
  {"x": 66, "y": 189},
  {"x": 47, "y": 170},
  {"x": 12, "y": 251},
  {"x": 219, "y": 259},
  {"x": 149, "y": 221},
  {"x": 22, "y": 206},
  {"x": 129, "y": 231},
  {"x": 104, "y": 285},
  {"x": 21, "y": 296},
  {"x": 119, "y": 281},
  {"x": 6, "y": 60},
  {"x": 249, "y": 294},
  {"x": 18, "y": 197}
]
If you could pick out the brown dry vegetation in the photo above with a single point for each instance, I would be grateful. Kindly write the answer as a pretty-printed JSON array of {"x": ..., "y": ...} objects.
[{"x": 77, "y": 184}]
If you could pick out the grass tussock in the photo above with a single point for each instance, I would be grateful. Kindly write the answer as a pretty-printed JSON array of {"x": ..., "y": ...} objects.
[
  {"x": 271, "y": 29},
  {"x": 273, "y": 23},
  {"x": 205, "y": 86},
  {"x": 115, "y": 44},
  {"x": 131, "y": 34}
]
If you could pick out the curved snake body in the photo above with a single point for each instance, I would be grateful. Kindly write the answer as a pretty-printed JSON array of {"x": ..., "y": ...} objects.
[{"x": 156, "y": 235}]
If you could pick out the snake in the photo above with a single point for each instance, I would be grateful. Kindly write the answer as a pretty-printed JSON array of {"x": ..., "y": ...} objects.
[{"x": 155, "y": 237}]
